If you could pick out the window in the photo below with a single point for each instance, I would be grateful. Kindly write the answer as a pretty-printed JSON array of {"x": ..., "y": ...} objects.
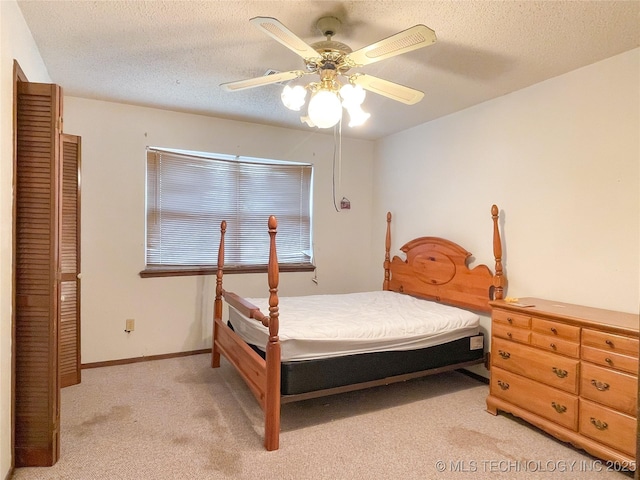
[{"x": 190, "y": 193}]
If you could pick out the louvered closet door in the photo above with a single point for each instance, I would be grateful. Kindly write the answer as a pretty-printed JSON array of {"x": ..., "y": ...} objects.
[
  {"x": 37, "y": 202},
  {"x": 70, "y": 263}
]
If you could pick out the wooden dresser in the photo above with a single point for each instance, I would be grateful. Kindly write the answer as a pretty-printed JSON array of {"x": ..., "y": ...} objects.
[{"x": 569, "y": 370}]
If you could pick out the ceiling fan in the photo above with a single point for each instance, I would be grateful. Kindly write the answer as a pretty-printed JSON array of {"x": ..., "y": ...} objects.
[{"x": 330, "y": 60}]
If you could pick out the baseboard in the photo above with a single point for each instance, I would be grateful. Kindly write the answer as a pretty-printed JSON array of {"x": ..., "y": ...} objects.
[
  {"x": 473, "y": 375},
  {"x": 125, "y": 361}
]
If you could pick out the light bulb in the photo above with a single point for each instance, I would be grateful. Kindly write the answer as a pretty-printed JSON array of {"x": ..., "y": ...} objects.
[
  {"x": 293, "y": 97},
  {"x": 357, "y": 116},
  {"x": 325, "y": 109},
  {"x": 352, "y": 94}
]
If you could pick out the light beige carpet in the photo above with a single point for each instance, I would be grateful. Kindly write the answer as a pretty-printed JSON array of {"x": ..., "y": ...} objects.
[{"x": 180, "y": 419}]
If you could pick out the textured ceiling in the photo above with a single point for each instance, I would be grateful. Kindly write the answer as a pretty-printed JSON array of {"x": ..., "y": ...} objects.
[{"x": 174, "y": 55}]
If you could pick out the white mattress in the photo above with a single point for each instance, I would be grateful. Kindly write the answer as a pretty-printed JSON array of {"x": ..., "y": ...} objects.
[{"x": 321, "y": 326}]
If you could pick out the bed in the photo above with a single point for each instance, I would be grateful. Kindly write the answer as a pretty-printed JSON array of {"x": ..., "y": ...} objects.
[{"x": 424, "y": 321}]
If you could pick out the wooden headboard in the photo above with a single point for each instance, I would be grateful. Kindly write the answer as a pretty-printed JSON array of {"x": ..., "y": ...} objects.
[{"x": 436, "y": 269}]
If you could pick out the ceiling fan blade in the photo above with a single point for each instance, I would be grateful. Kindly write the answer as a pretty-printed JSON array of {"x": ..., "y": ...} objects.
[
  {"x": 412, "y": 38},
  {"x": 286, "y": 37},
  {"x": 260, "y": 81},
  {"x": 392, "y": 90}
]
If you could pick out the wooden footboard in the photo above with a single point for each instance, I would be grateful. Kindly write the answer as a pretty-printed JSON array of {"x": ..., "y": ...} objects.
[{"x": 261, "y": 376}]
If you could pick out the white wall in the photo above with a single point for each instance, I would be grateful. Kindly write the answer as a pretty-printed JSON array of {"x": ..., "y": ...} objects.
[
  {"x": 561, "y": 161},
  {"x": 174, "y": 314},
  {"x": 16, "y": 43}
]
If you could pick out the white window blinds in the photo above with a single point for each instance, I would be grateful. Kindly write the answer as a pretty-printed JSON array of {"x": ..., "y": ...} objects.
[{"x": 190, "y": 193}]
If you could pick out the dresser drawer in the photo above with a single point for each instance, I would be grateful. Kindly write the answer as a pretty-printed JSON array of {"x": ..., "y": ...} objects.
[
  {"x": 609, "y": 427},
  {"x": 549, "y": 368},
  {"x": 555, "y": 405},
  {"x": 555, "y": 329},
  {"x": 609, "y": 387},
  {"x": 555, "y": 345},
  {"x": 510, "y": 318},
  {"x": 609, "y": 359},
  {"x": 511, "y": 333},
  {"x": 610, "y": 342}
]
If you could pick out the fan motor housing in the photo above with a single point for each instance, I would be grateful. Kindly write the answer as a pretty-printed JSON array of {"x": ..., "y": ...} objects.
[
  {"x": 333, "y": 56},
  {"x": 331, "y": 46}
]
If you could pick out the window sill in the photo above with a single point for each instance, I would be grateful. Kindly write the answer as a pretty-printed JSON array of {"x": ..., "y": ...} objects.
[{"x": 183, "y": 271}]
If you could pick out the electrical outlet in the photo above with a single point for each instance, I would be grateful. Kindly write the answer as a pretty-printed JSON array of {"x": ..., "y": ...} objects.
[{"x": 130, "y": 325}]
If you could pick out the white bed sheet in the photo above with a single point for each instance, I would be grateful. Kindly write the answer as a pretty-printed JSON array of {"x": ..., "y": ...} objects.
[{"x": 321, "y": 326}]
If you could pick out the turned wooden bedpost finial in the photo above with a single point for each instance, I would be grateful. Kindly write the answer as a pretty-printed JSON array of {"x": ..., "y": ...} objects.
[
  {"x": 272, "y": 396},
  {"x": 274, "y": 275},
  {"x": 387, "y": 257},
  {"x": 498, "y": 278},
  {"x": 217, "y": 304},
  {"x": 223, "y": 229}
]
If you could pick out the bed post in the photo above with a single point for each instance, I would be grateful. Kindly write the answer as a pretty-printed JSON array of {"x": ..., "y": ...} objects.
[
  {"x": 498, "y": 278},
  {"x": 387, "y": 257},
  {"x": 217, "y": 304},
  {"x": 272, "y": 399}
]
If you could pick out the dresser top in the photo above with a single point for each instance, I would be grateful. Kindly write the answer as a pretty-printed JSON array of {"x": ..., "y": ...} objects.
[{"x": 622, "y": 322}]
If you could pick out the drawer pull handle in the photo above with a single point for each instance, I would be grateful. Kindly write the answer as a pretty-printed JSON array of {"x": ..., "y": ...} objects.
[
  {"x": 609, "y": 342},
  {"x": 558, "y": 408},
  {"x": 509, "y": 334},
  {"x": 609, "y": 361},
  {"x": 554, "y": 331},
  {"x": 503, "y": 385},
  {"x": 602, "y": 386},
  {"x": 553, "y": 345},
  {"x": 509, "y": 319},
  {"x": 559, "y": 372},
  {"x": 599, "y": 424},
  {"x": 505, "y": 355}
]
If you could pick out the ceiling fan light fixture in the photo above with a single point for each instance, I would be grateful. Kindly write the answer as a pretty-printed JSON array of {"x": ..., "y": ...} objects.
[
  {"x": 325, "y": 108},
  {"x": 330, "y": 60},
  {"x": 352, "y": 95},
  {"x": 352, "y": 99},
  {"x": 293, "y": 97},
  {"x": 357, "y": 116}
]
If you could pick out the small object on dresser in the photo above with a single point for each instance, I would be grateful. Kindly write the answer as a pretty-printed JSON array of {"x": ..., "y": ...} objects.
[{"x": 517, "y": 303}]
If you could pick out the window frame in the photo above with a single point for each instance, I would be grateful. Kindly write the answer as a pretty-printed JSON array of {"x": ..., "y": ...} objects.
[{"x": 153, "y": 181}]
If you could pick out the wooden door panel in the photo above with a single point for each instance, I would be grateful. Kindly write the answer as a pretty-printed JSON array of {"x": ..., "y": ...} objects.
[
  {"x": 70, "y": 263},
  {"x": 37, "y": 203},
  {"x": 69, "y": 335}
]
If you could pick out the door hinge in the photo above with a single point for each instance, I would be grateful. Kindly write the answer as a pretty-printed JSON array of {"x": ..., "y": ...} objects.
[{"x": 59, "y": 124}]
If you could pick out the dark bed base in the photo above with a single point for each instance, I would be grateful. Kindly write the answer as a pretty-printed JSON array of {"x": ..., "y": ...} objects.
[
  {"x": 309, "y": 378},
  {"x": 323, "y": 374}
]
